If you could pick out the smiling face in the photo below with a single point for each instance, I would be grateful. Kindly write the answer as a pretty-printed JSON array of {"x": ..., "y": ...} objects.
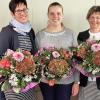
[
  {"x": 55, "y": 15},
  {"x": 94, "y": 20},
  {"x": 21, "y": 13}
]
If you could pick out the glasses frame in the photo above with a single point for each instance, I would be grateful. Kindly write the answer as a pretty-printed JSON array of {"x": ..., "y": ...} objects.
[{"x": 25, "y": 10}]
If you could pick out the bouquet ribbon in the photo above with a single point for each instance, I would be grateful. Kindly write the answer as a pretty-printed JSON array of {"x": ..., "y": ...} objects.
[
  {"x": 29, "y": 86},
  {"x": 85, "y": 73}
]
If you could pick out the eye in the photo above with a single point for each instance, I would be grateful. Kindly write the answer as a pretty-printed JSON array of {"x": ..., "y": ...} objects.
[
  {"x": 98, "y": 18},
  {"x": 51, "y": 13},
  {"x": 58, "y": 13},
  {"x": 19, "y": 11}
]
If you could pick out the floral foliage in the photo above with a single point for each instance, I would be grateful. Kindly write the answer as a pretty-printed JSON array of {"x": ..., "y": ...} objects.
[
  {"x": 56, "y": 63},
  {"x": 88, "y": 57},
  {"x": 19, "y": 68}
]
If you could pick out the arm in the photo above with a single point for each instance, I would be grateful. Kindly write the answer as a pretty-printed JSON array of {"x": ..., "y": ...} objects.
[
  {"x": 4, "y": 43},
  {"x": 75, "y": 87}
]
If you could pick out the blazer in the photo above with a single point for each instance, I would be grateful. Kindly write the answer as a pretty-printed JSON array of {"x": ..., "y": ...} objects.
[{"x": 83, "y": 36}]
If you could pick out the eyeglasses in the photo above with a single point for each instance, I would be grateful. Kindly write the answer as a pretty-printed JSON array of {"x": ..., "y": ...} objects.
[
  {"x": 20, "y": 11},
  {"x": 92, "y": 18}
]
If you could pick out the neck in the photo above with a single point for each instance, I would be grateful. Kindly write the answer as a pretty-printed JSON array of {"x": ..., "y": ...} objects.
[
  {"x": 95, "y": 30},
  {"x": 55, "y": 28}
]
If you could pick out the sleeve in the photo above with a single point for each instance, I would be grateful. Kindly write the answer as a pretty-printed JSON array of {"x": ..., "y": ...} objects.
[
  {"x": 34, "y": 48},
  {"x": 76, "y": 76},
  {"x": 83, "y": 36},
  {"x": 74, "y": 37},
  {"x": 79, "y": 38},
  {"x": 37, "y": 40},
  {"x": 4, "y": 43}
]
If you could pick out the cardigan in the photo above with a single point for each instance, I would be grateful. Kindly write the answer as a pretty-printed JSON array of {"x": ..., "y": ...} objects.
[
  {"x": 83, "y": 36},
  {"x": 9, "y": 40}
]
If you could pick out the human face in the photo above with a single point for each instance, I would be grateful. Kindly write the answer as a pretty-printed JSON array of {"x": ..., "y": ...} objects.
[
  {"x": 55, "y": 15},
  {"x": 21, "y": 13},
  {"x": 94, "y": 20}
]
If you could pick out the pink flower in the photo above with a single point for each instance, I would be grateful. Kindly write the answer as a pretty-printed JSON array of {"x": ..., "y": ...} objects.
[
  {"x": 55, "y": 54},
  {"x": 95, "y": 47},
  {"x": 37, "y": 54},
  {"x": 9, "y": 52},
  {"x": 91, "y": 42},
  {"x": 40, "y": 50},
  {"x": 18, "y": 56}
]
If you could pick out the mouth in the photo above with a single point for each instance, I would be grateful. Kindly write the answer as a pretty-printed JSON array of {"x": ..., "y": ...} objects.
[
  {"x": 23, "y": 17},
  {"x": 55, "y": 20}
]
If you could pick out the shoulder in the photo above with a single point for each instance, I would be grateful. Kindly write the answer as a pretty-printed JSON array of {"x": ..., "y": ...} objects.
[
  {"x": 7, "y": 30},
  {"x": 39, "y": 33},
  {"x": 82, "y": 36},
  {"x": 7, "y": 33},
  {"x": 32, "y": 33},
  {"x": 69, "y": 32},
  {"x": 83, "y": 33}
]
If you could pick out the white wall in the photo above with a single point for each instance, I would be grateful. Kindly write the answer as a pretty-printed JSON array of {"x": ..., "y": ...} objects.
[{"x": 74, "y": 13}]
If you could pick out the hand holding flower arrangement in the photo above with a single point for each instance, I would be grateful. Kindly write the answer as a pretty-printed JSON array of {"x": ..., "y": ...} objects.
[
  {"x": 88, "y": 54},
  {"x": 56, "y": 63},
  {"x": 19, "y": 69}
]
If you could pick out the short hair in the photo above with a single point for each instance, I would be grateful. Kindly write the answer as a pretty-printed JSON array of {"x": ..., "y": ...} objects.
[
  {"x": 14, "y": 3},
  {"x": 93, "y": 9},
  {"x": 55, "y": 4}
]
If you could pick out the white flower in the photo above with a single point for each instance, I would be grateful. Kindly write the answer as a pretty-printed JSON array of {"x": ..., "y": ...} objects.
[
  {"x": 35, "y": 76},
  {"x": 95, "y": 71},
  {"x": 9, "y": 52},
  {"x": 12, "y": 68},
  {"x": 13, "y": 80},
  {"x": 28, "y": 78},
  {"x": 16, "y": 89}
]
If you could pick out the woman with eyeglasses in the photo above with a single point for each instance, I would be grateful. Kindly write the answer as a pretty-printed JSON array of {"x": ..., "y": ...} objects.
[
  {"x": 90, "y": 86},
  {"x": 18, "y": 34}
]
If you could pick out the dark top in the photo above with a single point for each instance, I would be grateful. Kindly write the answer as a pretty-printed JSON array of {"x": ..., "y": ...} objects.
[
  {"x": 83, "y": 36},
  {"x": 9, "y": 40}
]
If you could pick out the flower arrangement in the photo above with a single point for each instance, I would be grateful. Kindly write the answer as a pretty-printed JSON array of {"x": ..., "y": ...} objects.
[
  {"x": 56, "y": 63},
  {"x": 88, "y": 54},
  {"x": 19, "y": 70}
]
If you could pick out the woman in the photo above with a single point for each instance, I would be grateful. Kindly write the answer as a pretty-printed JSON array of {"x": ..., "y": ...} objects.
[
  {"x": 56, "y": 35},
  {"x": 90, "y": 87},
  {"x": 18, "y": 34}
]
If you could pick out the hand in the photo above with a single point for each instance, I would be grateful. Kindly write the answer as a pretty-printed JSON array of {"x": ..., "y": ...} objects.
[
  {"x": 51, "y": 82},
  {"x": 0, "y": 75},
  {"x": 75, "y": 89}
]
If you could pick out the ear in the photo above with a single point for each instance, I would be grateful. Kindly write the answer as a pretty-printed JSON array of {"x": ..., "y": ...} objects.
[
  {"x": 63, "y": 16},
  {"x": 12, "y": 14}
]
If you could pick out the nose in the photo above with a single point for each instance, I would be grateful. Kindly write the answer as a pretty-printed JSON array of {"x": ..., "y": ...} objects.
[
  {"x": 55, "y": 15},
  {"x": 23, "y": 13}
]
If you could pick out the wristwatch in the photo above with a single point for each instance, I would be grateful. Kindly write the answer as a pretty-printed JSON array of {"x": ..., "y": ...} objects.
[{"x": 77, "y": 82}]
